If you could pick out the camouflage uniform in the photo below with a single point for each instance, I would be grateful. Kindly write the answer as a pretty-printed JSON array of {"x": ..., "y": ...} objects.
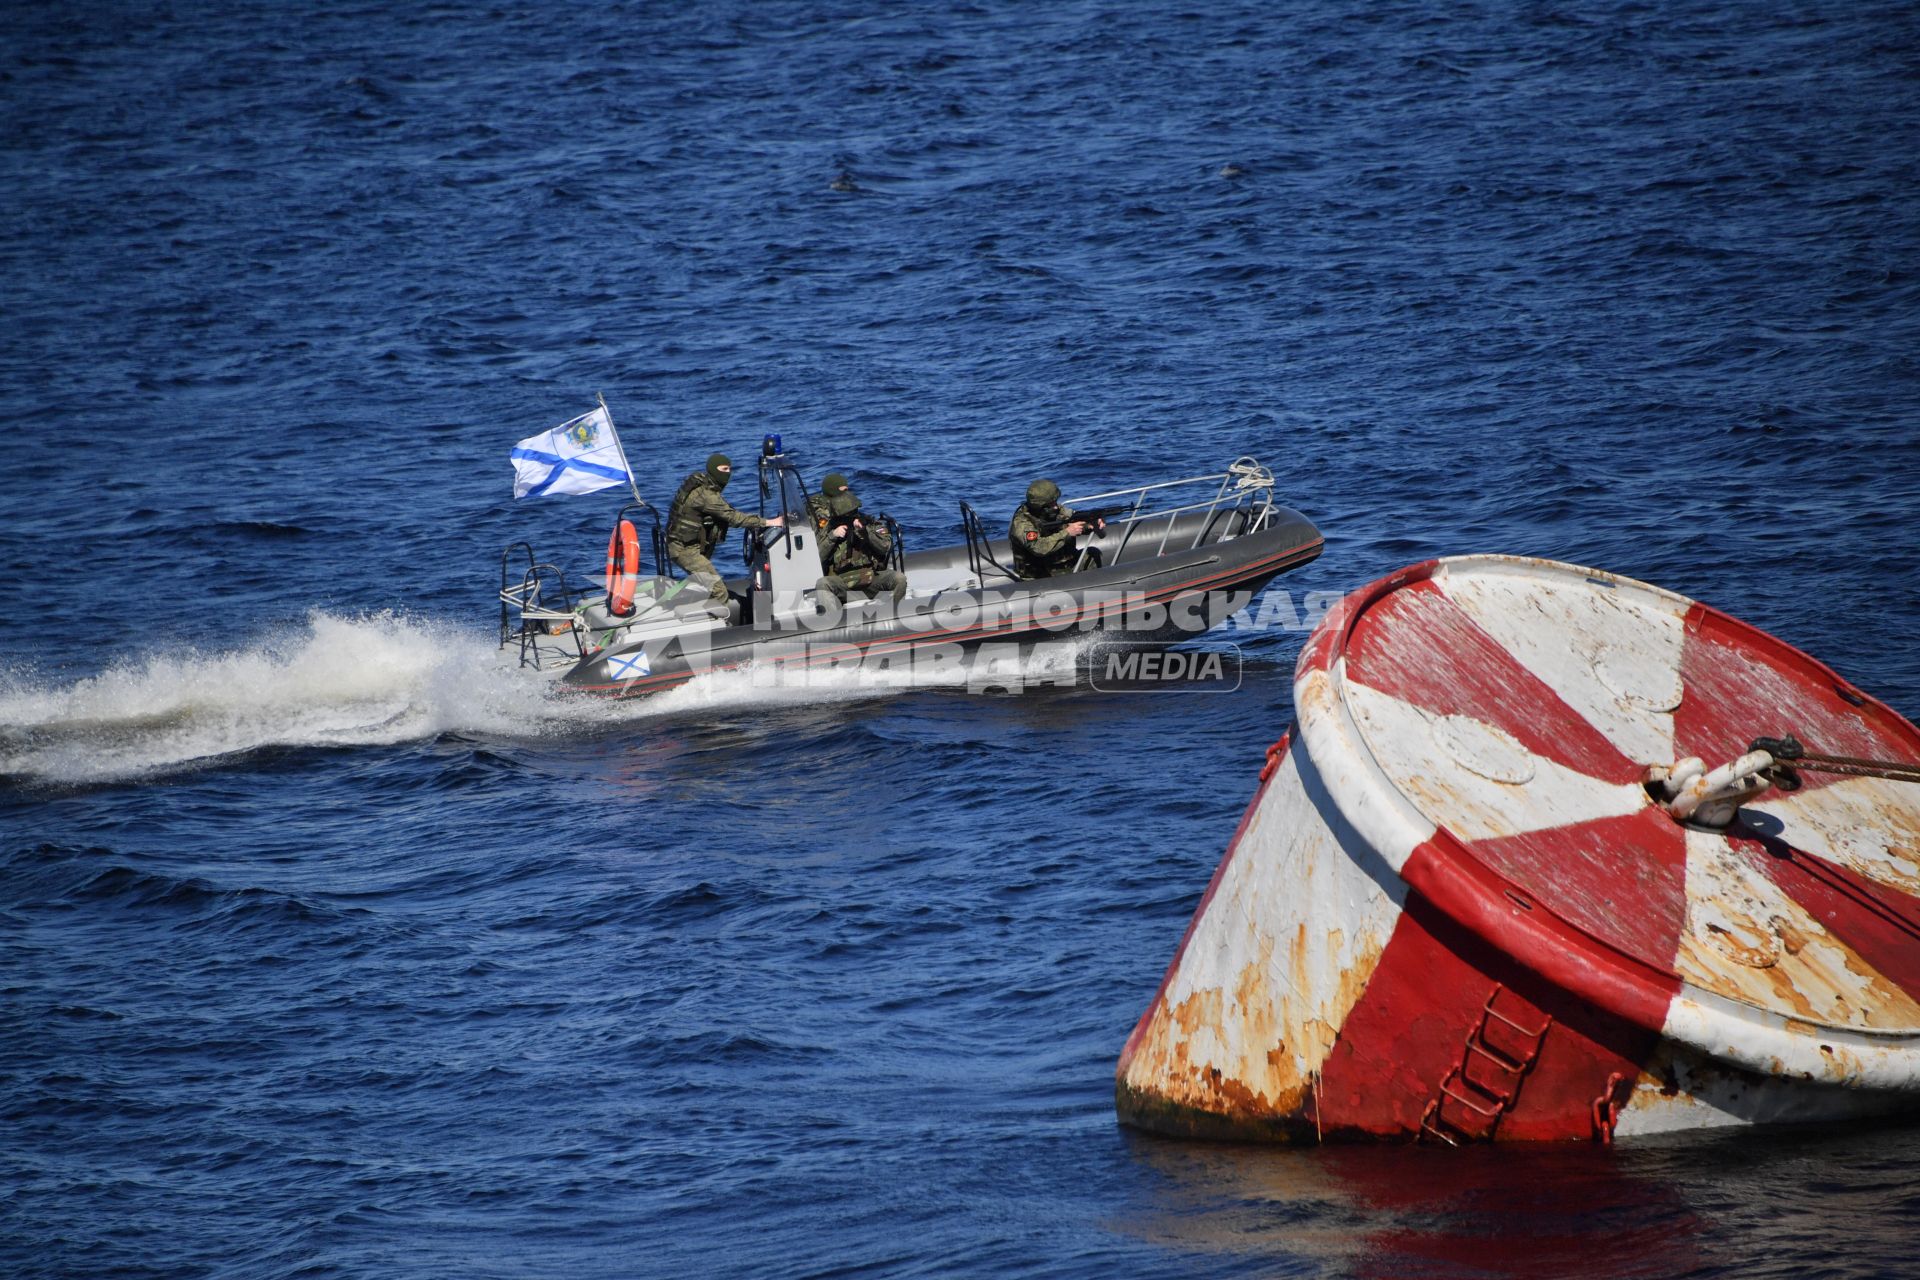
[
  {"x": 698, "y": 521},
  {"x": 1037, "y": 554},
  {"x": 819, "y": 509},
  {"x": 851, "y": 563}
]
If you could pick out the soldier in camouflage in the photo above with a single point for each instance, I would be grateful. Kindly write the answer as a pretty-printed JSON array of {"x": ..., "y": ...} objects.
[
  {"x": 698, "y": 521},
  {"x": 819, "y": 510},
  {"x": 856, "y": 554},
  {"x": 1036, "y": 552}
]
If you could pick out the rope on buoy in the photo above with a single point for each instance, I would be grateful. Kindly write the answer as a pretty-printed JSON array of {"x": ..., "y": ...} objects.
[
  {"x": 1790, "y": 758},
  {"x": 1703, "y": 797},
  {"x": 1691, "y": 792}
]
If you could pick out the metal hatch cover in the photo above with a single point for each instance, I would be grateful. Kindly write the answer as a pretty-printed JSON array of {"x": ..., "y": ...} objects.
[{"x": 1487, "y": 723}]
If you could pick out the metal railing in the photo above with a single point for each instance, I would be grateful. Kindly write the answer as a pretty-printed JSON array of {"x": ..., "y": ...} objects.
[
  {"x": 542, "y": 602},
  {"x": 547, "y": 605},
  {"x": 1244, "y": 490},
  {"x": 1239, "y": 498},
  {"x": 979, "y": 550}
]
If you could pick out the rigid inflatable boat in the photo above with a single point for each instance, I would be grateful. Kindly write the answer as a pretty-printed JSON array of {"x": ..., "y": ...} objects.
[{"x": 1174, "y": 559}]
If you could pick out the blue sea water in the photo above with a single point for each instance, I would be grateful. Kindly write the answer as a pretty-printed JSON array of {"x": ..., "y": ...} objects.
[{"x": 329, "y": 948}]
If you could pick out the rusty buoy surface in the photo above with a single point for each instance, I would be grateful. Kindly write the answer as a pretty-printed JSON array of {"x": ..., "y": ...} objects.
[{"x": 1519, "y": 874}]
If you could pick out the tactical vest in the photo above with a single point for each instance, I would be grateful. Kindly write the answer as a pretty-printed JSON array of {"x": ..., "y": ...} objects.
[
  {"x": 1031, "y": 564},
  {"x": 689, "y": 528},
  {"x": 850, "y": 555}
]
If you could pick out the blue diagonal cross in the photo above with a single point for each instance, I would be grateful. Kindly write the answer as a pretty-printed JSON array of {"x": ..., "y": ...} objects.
[
  {"x": 623, "y": 668},
  {"x": 560, "y": 464}
]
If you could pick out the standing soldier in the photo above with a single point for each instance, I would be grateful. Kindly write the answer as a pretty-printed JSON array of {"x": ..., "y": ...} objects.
[
  {"x": 856, "y": 554},
  {"x": 1042, "y": 533},
  {"x": 698, "y": 521}
]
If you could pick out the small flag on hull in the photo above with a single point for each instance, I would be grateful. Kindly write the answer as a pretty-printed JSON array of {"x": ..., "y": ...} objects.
[
  {"x": 581, "y": 456},
  {"x": 630, "y": 666}
]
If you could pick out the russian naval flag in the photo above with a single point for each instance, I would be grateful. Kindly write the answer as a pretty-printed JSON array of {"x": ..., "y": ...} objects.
[{"x": 581, "y": 456}]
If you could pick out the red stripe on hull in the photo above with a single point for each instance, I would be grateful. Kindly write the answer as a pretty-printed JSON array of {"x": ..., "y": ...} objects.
[
  {"x": 1410, "y": 1028},
  {"x": 1444, "y": 872}
]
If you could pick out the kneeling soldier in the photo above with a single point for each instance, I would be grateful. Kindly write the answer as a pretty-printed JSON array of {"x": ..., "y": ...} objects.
[
  {"x": 856, "y": 554},
  {"x": 698, "y": 521}
]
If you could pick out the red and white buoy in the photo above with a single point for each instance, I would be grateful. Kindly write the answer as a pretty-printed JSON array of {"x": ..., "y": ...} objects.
[{"x": 1526, "y": 872}]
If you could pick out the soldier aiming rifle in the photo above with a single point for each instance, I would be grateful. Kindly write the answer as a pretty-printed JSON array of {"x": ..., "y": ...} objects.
[{"x": 1043, "y": 531}]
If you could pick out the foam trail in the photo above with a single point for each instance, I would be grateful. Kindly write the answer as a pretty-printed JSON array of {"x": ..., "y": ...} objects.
[
  {"x": 371, "y": 680},
  {"x": 382, "y": 679}
]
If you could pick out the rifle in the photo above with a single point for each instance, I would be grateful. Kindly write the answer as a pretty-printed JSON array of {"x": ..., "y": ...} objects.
[
  {"x": 862, "y": 533},
  {"x": 1091, "y": 515}
]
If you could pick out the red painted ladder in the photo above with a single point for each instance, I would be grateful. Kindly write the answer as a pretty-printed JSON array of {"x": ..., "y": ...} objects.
[{"x": 1479, "y": 1103}]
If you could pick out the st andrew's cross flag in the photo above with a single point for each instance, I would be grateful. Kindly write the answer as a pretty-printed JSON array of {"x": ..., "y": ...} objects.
[{"x": 581, "y": 456}]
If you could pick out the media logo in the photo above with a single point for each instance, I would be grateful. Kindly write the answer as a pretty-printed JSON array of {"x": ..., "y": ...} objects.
[{"x": 1132, "y": 668}]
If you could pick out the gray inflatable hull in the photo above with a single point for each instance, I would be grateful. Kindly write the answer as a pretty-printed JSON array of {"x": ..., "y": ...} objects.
[{"x": 1144, "y": 592}]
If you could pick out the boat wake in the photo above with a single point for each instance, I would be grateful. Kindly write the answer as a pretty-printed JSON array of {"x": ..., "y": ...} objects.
[
  {"x": 336, "y": 681},
  {"x": 376, "y": 680}
]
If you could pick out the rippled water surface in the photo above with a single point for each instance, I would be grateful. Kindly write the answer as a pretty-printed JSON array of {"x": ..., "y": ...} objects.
[{"x": 329, "y": 947}]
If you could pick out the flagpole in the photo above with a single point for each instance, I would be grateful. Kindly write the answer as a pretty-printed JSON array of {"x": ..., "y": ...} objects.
[{"x": 631, "y": 482}]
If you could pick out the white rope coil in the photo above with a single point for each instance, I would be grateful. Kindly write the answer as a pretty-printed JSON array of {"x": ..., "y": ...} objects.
[
  {"x": 1249, "y": 474},
  {"x": 1710, "y": 797}
]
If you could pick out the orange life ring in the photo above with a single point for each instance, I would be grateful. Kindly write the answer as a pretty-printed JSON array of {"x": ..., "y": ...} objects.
[{"x": 623, "y": 568}]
